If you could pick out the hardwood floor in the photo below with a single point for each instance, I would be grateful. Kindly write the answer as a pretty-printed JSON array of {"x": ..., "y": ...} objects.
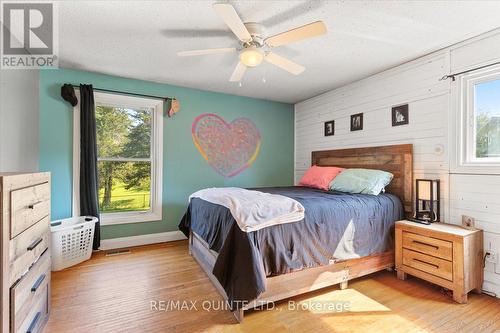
[{"x": 114, "y": 294}]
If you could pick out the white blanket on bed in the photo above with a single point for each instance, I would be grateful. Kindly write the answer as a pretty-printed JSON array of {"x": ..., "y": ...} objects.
[{"x": 253, "y": 210}]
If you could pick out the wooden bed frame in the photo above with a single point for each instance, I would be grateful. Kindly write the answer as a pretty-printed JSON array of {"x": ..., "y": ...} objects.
[{"x": 398, "y": 160}]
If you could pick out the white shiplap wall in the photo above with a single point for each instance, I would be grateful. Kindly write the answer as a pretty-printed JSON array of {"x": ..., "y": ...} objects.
[{"x": 416, "y": 83}]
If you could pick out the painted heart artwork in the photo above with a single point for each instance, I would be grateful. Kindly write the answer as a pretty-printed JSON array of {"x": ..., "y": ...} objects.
[{"x": 229, "y": 148}]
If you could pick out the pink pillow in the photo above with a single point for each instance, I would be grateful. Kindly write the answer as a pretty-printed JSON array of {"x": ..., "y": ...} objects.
[{"x": 319, "y": 177}]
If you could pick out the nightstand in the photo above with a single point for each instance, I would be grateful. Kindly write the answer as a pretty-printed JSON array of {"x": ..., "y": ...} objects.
[{"x": 444, "y": 254}]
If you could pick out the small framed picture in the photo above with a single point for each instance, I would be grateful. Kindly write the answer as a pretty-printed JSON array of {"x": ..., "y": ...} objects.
[
  {"x": 330, "y": 128},
  {"x": 400, "y": 115},
  {"x": 356, "y": 122}
]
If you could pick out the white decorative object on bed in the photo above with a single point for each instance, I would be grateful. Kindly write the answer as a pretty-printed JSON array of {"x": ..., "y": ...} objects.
[{"x": 253, "y": 210}]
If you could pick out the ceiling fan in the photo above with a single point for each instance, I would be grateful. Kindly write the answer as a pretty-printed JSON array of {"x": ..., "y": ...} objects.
[{"x": 254, "y": 47}]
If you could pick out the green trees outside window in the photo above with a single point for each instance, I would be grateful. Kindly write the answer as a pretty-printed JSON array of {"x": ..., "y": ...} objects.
[
  {"x": 124, "y": 163},
  {"x": 487, "y": 119}
]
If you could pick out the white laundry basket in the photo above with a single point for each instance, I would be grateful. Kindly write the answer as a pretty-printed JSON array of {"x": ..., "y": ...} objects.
[{"x": 72, "y": 241}]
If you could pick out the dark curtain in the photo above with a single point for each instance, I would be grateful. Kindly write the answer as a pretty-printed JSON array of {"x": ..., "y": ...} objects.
[{"x": 89, "y": 188}]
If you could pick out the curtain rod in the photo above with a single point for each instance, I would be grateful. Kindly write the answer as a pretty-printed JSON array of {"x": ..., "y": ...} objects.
[
  {"x": 127, "y": 93},
  {"x": 452, "y": 76}
]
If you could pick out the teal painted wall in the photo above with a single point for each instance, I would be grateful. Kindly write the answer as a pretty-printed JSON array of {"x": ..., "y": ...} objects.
[{"x": 184, "y": 169}]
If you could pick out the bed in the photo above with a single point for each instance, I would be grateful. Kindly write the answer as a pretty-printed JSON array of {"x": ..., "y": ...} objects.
[{"x": 343, "y": 236}]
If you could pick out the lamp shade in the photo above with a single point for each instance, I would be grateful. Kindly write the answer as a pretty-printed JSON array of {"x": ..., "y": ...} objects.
[
  {"x": 424, "y": 189},
  {"x": 428, "y": 189},
  {"x": 427, "y": 205}
]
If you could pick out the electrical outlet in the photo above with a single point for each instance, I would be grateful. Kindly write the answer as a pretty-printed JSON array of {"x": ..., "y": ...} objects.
[
  {"x": 468, "y": 221},
  {"x": 492, "y": 257}
]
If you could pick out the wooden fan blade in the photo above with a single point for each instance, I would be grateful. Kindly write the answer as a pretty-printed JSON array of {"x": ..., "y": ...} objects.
[
  {"x": 284, "y": 63},
  {"x": 233, "y": 21},
  {"x": 294, "y": 35},
  {"x": 206, "y": 51},
  {"x": 238, "y": 72}
]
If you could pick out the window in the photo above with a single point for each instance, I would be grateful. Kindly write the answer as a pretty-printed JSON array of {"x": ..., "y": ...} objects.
[
  {"x": 486, "y": 126},
  {"x": 478, "y": 124},
  {"x": 129, "y": 149}
]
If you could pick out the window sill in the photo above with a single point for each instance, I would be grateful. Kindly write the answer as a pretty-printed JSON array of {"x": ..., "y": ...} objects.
[{"x": 126, "y": 218}]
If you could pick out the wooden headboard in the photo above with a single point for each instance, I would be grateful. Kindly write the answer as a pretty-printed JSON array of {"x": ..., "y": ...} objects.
[{"x": 397, "y": 159}]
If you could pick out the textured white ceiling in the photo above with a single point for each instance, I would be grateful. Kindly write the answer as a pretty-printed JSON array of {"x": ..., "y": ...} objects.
[{"x": 139, "y": 39}]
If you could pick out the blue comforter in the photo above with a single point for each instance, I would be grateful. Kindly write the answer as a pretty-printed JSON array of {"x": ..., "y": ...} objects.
[{"x": 336, "y": 226}]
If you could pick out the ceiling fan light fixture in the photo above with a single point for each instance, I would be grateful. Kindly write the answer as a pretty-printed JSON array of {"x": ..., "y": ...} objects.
[
  {"x": 251, "y": 38},
  {"x": 251, "y": 56}
]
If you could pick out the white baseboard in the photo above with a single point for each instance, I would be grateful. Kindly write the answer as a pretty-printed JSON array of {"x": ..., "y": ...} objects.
[
  {"x": 162, "y": 237},
  {"x": 492, "y": 288}
]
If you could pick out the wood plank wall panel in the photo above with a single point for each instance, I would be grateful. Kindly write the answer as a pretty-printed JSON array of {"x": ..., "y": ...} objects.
[
  {"x": 374, "y": 97},
  {"x": 416, "y": 83},
  {"x": 478, "y": 195}
]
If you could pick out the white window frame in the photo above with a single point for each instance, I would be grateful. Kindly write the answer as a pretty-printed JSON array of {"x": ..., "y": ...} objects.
[
  {"x": 463, "y": 133},
  {"x": 155, "y": 213}
]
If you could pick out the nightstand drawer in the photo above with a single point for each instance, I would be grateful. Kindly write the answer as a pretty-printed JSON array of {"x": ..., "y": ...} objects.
[
  {"x": 428, "y": 245},
  {"x": 428, "y": 264}
]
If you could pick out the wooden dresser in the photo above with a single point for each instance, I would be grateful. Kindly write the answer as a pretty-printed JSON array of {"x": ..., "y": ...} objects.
[
  {"x": 25, "y": 241},
  {"x": 445, "y": 254}
]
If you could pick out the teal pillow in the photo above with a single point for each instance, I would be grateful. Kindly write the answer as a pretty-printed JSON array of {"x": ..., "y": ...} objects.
[{"x": 365, "y": 181}]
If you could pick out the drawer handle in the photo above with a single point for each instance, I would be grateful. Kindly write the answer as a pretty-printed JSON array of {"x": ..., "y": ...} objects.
[
  {"x": 35, "y": 244},
  {"x": 425, "y": 262},
  {"x": 32, "y": 326},
  {"x": 38, "y": 283},
  {"x": 33, "y": 206},
  {"x": 429, "y": 245}
]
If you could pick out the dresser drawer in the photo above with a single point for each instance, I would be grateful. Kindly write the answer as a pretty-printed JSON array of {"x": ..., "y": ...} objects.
[
  {"x": 432, "y": 265},
  {"x": 37, "y": 315},
  {"x": 428, "y": 245},
  {"x": 25, "y": 293},
  {"x": 28, "y": 206},
  {"x": 26, "y": 248}
]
